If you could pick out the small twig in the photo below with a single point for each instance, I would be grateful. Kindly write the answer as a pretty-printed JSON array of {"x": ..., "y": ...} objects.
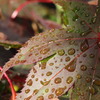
[{"x": 11, "y": 86}]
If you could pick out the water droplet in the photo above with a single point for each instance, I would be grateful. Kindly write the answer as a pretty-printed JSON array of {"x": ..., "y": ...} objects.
[
  {"x": 76, "y": 9},
  {"x": 86, "y": 32},
  {"x": 51, "y": 64},
  {"x": 27, "y": 91},
  {"x": 79, "y": 76},
  {"x": 71, "y": 42},
  {"x": 34, "y": 70},
  {"x": 42, "y": 65},
  {"x": 84, "y": 45},
  {"x": 83, "y": 67},
  {"x": 75, "y": 18},
  {"x": 97, "y": 8},
  {"x": 45, "y": 83},
  {"x": 61, "y": 52},
  {"x": 36, "y": 79},
  {"x": 92, "y": 55},
  {"x": 88, "y": 79},
  {"x": 71, "y": 66},
  {"x": 49, "y": 73},
  {"x": 28, "y": 98},
  {"x": 7, "y": 48},
  {"x": 84, "y": 55},
  {"x": 59, "y": 91},
  {"x": 71, "y": 51},
  {"x": 98, "y": 44},
  {"x": 69, "y": 80},
  {"x": 93, "y": 20},
  {"x": 32, "y": 76},
  {"x": 67, "y": 59},
  {"x": 35, "y": 91},
  {"x": 86, "y": 15},
  {"x": 51, "y": 96},
  {"x": 46, "y": 90},
  {"x": 44, "y": 51},
  {"x": 58, "y": 80},
  {"x": 53, "y": 89},
  {"x": 97, "y": 82},
  {"x": 40, "y": 98},
  {"x": 82, "y": 22},
  {"x": 30, "y": 82},
  {"x": 92, "y": 90}
]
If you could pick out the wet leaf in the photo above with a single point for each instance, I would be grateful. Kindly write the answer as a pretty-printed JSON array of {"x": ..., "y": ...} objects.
[{"x": 74, "y": 58}]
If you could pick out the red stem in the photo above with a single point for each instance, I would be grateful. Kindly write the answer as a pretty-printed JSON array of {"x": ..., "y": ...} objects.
[
  {"x": 15, "y": 13},
  {"x": 11, "y": 86}
]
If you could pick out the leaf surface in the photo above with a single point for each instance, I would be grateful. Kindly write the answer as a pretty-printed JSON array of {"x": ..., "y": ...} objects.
[{"x": 75, "y": 51}]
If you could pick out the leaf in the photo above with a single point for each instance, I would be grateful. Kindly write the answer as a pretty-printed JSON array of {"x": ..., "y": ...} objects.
[
  {"x": 9, "y": 44},
  {"x": 53, "y": 78},
  {"x": 47, "y": 79},
  {"x": 74, "y": 14}
]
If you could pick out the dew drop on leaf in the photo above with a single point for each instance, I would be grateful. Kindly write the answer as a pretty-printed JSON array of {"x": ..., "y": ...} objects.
[
  {"x": 71, "y": 51},
  {"x": 51, "y": 96},
  {"x": 61, "y": 52},
  {"x": 40, "y": 98},
  {"x": 79, "y": 76},
  {"x": 92, "y": 90},
  {"x": 75, "y": 18},
  {"x": 83, "y": 67},
  {"x": 58, "y": 80},
  {"x": 7, "y": 48},
  {"x": 29, "y": 83},
  {"x": 84, "y": 45},
  {"x": 27, "y": 91},
  {"x": 59, "y": 91},
  {"x": 69, "y": 80},
  {"x": 67, "y": 59},
  {"x": 71, "y": 66},
  {"x": 97, "y": 82},
  {"x": 48, "y": 73}
]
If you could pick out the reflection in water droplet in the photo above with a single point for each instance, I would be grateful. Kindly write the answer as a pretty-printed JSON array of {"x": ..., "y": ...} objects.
[
  {"x": 84, "y": 45},
  {"x": 7, "y": 48}
]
